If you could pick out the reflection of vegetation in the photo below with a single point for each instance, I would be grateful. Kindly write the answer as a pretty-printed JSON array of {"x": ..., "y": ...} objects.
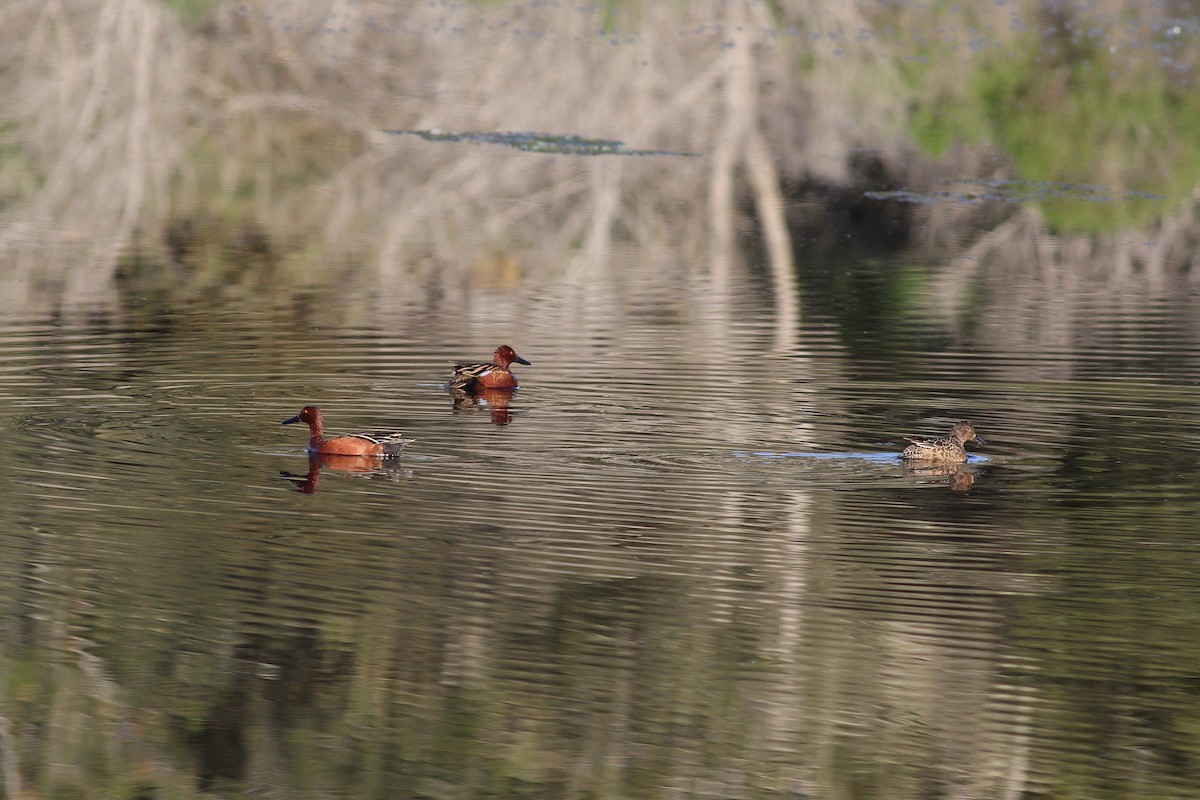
[
  {"x": 1085, "y": 127},
  {"x": 582, "y": 686},
  {"x": 1070, "y": 106},
  {"x": 192, "y": 11},
  {"x": 1117, "y": 656},
  {"x": 878, "y": 307},
  {"x": 277, "y": 116}
]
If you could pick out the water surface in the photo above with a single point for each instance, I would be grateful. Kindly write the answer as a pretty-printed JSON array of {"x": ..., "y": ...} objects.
[{"x": 682, "y": 560}]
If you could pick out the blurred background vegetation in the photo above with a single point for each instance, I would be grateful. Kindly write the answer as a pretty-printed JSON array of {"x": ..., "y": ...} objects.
[{"x": 206, "y": 147}]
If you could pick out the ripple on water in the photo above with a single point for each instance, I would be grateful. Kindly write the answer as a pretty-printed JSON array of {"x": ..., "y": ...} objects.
[{"x": 754, "y": 537}]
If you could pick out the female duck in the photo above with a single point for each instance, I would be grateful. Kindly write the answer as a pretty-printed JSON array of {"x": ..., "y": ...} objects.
[
  {"x": 380, "y": 445},
  {"x": 493, "y": 375},
  {"x": 945, "y": 450}
]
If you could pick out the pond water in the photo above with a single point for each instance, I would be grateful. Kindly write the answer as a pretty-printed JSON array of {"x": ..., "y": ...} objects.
[
  {"x": 749, "y": 248},
  {"x": 682, "y": 560}
]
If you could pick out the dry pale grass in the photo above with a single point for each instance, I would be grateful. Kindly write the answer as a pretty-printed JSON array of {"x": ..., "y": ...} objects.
[
  {"x": 698, "y": 77},
  {"x": 100, "y": 107},
  {"x": 277, "y": 113}
]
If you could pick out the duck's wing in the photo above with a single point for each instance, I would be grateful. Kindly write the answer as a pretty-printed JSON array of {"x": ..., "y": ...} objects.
[
  {"x": 466, "y": 374},
  {"x": 392, "y": 442},
  {"x": 382, "y": 437},
  {"x": 925, "y": 442}
]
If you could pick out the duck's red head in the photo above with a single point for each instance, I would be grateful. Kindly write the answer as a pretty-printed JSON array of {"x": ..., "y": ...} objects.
[
  {"x": 505, "y": 355},
  {"x": 310, "y": 415}
]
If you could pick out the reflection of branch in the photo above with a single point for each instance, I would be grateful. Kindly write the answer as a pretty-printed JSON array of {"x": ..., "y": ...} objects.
[
  {"x": 952, "y": 281},
  {"x": 741, "y": 141},
  {"x": 772, "y": 217},
  {"x": 605, "y": 208},
  {"x": 8, "y": 760}
]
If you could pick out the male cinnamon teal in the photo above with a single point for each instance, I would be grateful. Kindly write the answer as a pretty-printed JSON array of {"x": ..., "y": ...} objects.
[
  {"x": 949, "y": 449},
  {"x": 492, "y": 375},
  {"x": 381, "y": 445}
]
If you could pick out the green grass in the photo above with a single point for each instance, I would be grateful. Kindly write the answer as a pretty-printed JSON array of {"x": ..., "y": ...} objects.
[
  {"x": 1083, "y": 118},
  {"x": 191, "y": 11}
]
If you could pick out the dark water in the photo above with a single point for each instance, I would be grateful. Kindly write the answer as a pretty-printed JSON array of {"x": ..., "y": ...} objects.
[{"x": 683, "y": 561}]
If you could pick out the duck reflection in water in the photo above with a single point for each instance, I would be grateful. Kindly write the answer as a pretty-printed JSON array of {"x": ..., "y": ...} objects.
[
  {"x": 359, "y": 466},
  {"x": 961, "y": 479},
  {"x": 368, "y": 454},
  {"x": 943, "y": 456},
  {"x": 495, "y": 400}
]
